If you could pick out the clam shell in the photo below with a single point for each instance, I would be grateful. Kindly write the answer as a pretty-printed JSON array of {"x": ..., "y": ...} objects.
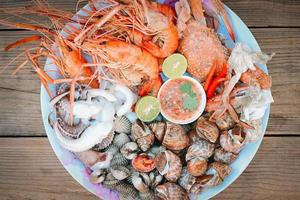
[
  {"x": 193, "y": 136},
  {"x": 112, "y": 148},
  {"x": 225, "y": 122},
  {"x": 175, "y": 137},
  {"x": 214, "y": 178},
  {"x": 222, "y": 169},
  {"x": 120, "y": 172},
  {"x": 139, "y": 130},
  {"x": 146, "y": 142},
  {"x": 123, "y": 125},
  {"x": 119, "y": 159},
  {"x": 121, "y": 139},
  {"x": 129, "y": 150},
  {"x": 158, "y": 129},
  {"x": 169, "y": 165},
  {"x": 207, "y": 130},
  {"x": 186, "y": 180},
  {"x": 143, "y": 163},
  {"x": 197, "y": 166},
  {"x": 172, "y": 191},
  {"x": 223, "y": 156},
  {"x": 201, "y": 148},
  {"x": 105, "y": 142}
]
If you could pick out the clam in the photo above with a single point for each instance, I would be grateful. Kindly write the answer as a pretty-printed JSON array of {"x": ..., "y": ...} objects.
[
  {"x": 225, "y": 122},
  {"x": 186, "y": 180},
  {"x": 119, "y": 159},
  {"x": 129, "y": 150},
  {"x": 193, "y": 136},
  {"x": 173, "y": 136},
  {"x": 172, "y": 191},
  {"x": 207, "y": 130},
  {"x": 223, "y": 156},
  {"x": 142, "y": 134},
  {"x": 143, "y": 163},
  {"x": 197, "y": 166},
  {"x": 121, "y": 139},
  {"x": 169, "y": 165},
  {"x": 222, "y": 169},
  {"x": 98, "y": 176},
  {"x": 200, "y": 148},
  {"x": 95, "y": 160},
  {"x": 120, "y": 172},
  {"x": 123, "y": 125},
  {"x": 233, "y": 140}
]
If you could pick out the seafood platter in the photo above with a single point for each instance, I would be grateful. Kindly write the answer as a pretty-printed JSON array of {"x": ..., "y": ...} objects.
[{"x": 149, "y": 100}]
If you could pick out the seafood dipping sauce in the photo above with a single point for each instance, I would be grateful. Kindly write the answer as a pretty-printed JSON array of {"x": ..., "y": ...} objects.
[{"x": 182, "y": 100}]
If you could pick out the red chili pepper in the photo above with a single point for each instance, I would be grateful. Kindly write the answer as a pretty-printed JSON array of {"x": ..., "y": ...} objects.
[
  {"x": 223, "y": 73},
  {"x": 210, "y": 76},
  {"x": 213, "y": 87}
]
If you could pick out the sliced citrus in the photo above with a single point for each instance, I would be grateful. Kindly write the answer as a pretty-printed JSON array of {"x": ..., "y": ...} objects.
[
  {"x": 174, "y": 66},
  {"x": 147, "y": 108}
]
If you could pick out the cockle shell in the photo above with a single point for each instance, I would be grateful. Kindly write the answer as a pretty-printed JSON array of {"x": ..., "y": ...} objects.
[
  {"x": 119, "y": 159},
  {"x": 169, "y": 165},
  {"x": 186, "y": 180},
  {"x": 233, "y": 140},
  {"x": 110, "y": 181},
  {"x": 171, "y": 191},
  {"x": 129, "y": 150},
  {"x": 126, "y": 191},
  {"x": 223, "y": 156},
  {"x": 139, "y": 183},
  {"x": 201, "y": 148},
  {"x": 94, "y": 160},
  {"x": 98, "y": 176},
  {"x": 121, "y": 139},
  {"x": 207, "y": 130},
  {"x": 193, "y": 136},
  {"x": 225, "y": 122},
  {"x": 74, "y": 131},
  {"x": 197, "y": 166},
  {"x": 120, "y": 172},
  {"x": 123, "y": 125},
  {"x": 105, "y": 142},
  {"x": 112, "y": 148},
  {"x": 143, "y": 135},
  {"x": 149, "y": 195}
]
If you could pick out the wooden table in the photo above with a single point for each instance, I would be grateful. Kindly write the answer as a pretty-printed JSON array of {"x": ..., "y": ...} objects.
[{"x": 29, "y": 168}]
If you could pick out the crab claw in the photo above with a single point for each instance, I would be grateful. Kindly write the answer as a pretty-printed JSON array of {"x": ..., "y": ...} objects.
[{"x": 216, "y": 8}]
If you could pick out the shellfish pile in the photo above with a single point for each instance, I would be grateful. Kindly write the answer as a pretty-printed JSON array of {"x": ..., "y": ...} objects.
[{"x": 165, "y": 160}]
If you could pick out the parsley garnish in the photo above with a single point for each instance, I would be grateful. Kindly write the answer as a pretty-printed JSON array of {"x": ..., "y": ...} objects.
[{"x": 190, "y": 101}]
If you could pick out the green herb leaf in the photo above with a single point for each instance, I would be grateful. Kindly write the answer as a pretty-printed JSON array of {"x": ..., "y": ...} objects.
[
  {"x": 187, "y": 88},
  {"x": 190, "y": 103}
]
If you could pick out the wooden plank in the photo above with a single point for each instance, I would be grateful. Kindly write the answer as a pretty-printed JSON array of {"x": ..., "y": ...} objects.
[
  {"x": 284, "y": 69},
  {"x": 255, "y": 13},
  {"x": 30, "y": 170}
]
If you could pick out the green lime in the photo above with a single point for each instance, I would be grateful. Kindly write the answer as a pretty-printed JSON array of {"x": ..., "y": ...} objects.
[
  {"x": 174, "y": 66},
  {"x": 147, "y": 108}
]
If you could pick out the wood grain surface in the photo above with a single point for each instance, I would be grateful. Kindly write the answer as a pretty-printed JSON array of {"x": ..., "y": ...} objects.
[{"x": 30, "y": 170}]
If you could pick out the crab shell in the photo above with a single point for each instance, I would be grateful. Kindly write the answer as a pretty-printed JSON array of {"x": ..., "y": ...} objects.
[
  {"x": 172, "y": 191},
  {"x": 198, "y": 149},
  {"x": 142, "y": 134},
  {"x": 186, "y": 180},
  {"x": 173, "y": 136},
  {"x": 169, "y": 165},
  {"x": 207, "y": 130},
  {"x": 197, "y": 166},
  {"x": 223, "y": 156}
]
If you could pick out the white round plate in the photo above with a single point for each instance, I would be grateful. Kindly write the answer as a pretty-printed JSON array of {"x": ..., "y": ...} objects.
[{"x": 81, "y": 174}]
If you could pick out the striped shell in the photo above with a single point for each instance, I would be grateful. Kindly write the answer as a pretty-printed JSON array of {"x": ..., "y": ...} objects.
[
  {"x": 207, "y": 130},
  {"x": 222, "y": 169},
  {"x": 223, "y": 156},
  {"x": 149, "y": 195},
  {"x": 201, "y": 148},
  {"x": 112, "y": 148},
  {"x": 119, "y": 159},
  {"x": 123, "y": 125},
  {"x": 143, "y": 135},
  {"x": 129, "y": 150},
  {"x": 175, "y": 137},
  {"x": 186, "y": 180},
  {"x": 105, "y": 142},
  {"x": 169, "y": 165},
  {"x": 120, "y": 172},
  {"x": 171, "y": 191},
  {"x": 158, "y": 129},
  {"x": 110, "y": 181},
  {"x": 126, "y": 191},
  {"x": 121, "y": 139}
]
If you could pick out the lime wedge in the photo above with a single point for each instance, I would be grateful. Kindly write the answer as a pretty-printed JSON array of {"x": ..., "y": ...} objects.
[
  {"x": 174, "y": 66},
  {"x": 147, "y": 108}
]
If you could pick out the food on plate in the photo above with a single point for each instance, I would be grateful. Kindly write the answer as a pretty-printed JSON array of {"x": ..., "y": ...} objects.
[{"x": 145, "y": 133}]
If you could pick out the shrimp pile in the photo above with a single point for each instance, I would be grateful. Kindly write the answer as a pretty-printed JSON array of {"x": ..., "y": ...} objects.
[{"x": 110, "y": 55}]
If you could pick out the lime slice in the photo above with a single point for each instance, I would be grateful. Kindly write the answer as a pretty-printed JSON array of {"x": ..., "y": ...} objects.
[
  {"x": 147, "y": 108},
  {"x": 174, "y": 66}
]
